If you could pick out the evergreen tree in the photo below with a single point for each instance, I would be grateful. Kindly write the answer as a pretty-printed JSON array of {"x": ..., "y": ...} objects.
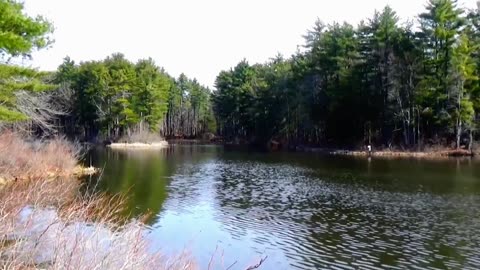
[
  {"x": 465, "y": 82},
  {"x": 20, "y": 35},
  {"x": 440, "y": 26},
  {"x": 150, "y": 102},
  {"x": 379, "y": 83}
]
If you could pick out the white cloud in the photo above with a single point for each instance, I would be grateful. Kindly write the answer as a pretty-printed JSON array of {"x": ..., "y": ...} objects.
[{"x": 198, "y": 38}]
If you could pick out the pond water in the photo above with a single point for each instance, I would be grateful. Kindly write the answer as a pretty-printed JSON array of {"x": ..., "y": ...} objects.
[{"x": 302, "y": 210}]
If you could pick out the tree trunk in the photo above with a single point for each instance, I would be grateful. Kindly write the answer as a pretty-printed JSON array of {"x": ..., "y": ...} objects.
[
  {"x": 470, "y": 141},
  {"x": 459, "y": 120},
  {"x": 419, "y": 138},
  {"x": 459, "y": 132}
]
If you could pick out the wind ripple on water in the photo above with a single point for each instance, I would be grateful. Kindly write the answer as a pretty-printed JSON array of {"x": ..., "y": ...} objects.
[{"x": 318, "y": 223}]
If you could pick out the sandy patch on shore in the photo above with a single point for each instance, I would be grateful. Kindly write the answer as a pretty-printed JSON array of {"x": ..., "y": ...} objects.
[{"x": 155, "y": 145}]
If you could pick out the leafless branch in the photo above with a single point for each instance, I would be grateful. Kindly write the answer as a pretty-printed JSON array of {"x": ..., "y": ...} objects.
[
  {"x": 256, "y": 266},
  {"x": 231, "y": 265},
  {"x": 43, "y": 109}
]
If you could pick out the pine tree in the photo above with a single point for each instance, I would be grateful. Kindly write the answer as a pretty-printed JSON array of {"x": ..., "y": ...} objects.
[
  {"x": 465, "y": 78},
  {"x": 20, "y": 35},
  {"x": 440, "y": 26},
  {"x": 150, "y": 101}
]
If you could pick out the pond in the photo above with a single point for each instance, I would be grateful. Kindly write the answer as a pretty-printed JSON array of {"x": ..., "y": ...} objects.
[{"x": 302, "y": 210}]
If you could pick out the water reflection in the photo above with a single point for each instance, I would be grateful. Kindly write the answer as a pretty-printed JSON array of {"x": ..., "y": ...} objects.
[
  {"x": 304, "y": 211},
  {"x": 140, "y": 175},
  {"x": 320, "y": 224}
]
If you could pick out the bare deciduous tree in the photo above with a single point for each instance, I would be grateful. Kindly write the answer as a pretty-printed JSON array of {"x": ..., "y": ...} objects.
[{"x": 43, "y": 110}]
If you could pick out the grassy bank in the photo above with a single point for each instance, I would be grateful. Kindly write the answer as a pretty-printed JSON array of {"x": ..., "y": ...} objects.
[{"x": 47, "y": 223}]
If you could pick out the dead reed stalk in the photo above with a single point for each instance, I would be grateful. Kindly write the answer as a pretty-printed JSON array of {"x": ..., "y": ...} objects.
[{"x": 47, "y": 223}]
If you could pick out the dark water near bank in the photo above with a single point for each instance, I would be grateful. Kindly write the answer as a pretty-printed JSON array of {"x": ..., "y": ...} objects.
[{"x": 302, "y": 210}]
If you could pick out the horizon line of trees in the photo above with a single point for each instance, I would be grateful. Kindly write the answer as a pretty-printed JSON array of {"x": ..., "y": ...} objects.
[
  {"x": 92, "y": 100},
  {"x": 114, "y": 97},
  {"x": 382, "y": 83}
]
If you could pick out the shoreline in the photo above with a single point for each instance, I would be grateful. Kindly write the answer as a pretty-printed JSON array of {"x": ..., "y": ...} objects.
[
  {"x": 50, "y": 175},
  {"x": 44, "y": 204},
  {"x": 139, "y": 146},
  {"x": 444, "y": 153},
  {"x": 381, "y": 153},
  {"x": 392, "y": 153}
]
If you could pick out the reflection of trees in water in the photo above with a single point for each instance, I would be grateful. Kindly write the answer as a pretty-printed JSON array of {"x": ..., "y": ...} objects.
[
  {"x": 314, "y": 222},
  {"x": 440, "y": 176},
  {"x": 145, "y": 176},
  {"x": 193, "y": 172},
  {"x": 266, "y": 201},
  {"x": 320, "y": 224},
  {"x": 140, "y": 175}
]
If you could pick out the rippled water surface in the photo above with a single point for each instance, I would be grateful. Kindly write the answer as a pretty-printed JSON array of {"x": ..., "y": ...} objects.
[{"x": 303, "y": 211}]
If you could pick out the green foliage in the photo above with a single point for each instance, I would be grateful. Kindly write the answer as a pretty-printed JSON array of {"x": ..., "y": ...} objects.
[
  {"x": 440, "y": 26},
  {"x": 238, "y": 90},
  {"x": 190, "y": 111},
  {"x": 466, "y": 79},
  {"x": 19, "y": 36},
  {"x": 151, "y": 99},
  {"x": 113, "y": 97},
  {"x": 379, "y": 83},
  {"x": 19, "y": 33}
]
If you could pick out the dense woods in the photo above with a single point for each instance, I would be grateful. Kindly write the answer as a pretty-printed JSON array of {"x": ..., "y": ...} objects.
[
  {"x": 382, "y": 82},
  {"x": 92, "y": 100},
  {"x": 108, "y": 99},
  {"x": 114, "y": 97}
]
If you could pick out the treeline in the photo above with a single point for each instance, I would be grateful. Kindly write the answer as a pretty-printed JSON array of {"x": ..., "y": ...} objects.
[
  {"x": 115, "y": 97},
  {"x": 383, "y": 82},
  {"x": 92, "y": 100}
]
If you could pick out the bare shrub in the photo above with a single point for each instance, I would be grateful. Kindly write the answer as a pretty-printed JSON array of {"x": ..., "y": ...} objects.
[
  {"x": 47, "y": 223},
  {"x": 43, "y": 110},
  {"x": 141, "y": 134},
  {"x": 50, "y": 224},
  {"x": 36, "y": 159},
  {"x": 76, "y": 237}
]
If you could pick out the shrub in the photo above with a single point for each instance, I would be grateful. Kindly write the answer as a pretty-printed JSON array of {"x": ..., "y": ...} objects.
[
  {"x": 20, "y": 158},
  {"x": 47, "y": 222}
]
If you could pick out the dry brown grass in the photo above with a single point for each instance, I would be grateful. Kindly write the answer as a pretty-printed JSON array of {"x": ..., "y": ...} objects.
[
  {"x": 79, "y": 233},
  {"x": 141, "y": 135},
  {"x": 47, "y": 223},
  {"x": 20, "y": 159}
]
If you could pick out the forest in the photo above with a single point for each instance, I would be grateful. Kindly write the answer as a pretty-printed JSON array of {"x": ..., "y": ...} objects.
[
  {"x": 94, "y": 100},
  {"x": 107, "y": 99},
  {"x": 385, "y": 82},
  {"x": 114, "y": 97}
]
